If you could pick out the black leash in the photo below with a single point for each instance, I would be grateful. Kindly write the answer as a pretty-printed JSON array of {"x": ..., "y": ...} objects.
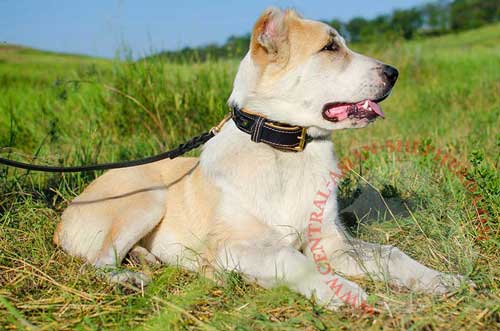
[
  {"x": 278, "y": 135},
  {"x": 172, "y": 154}
]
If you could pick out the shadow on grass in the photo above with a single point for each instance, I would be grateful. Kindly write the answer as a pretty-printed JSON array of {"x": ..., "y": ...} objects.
[{"x": 366, "y": 205}]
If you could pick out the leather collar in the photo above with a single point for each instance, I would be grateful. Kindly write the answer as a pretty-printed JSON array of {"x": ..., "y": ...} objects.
[{"x": 281, "y": 136}]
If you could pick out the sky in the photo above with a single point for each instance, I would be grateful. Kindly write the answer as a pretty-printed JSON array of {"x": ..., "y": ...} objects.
[{"x": 101, "y": 27}]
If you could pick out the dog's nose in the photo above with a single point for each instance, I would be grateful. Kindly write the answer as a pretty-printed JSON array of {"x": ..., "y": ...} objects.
[{"x": 391, "y": 74}]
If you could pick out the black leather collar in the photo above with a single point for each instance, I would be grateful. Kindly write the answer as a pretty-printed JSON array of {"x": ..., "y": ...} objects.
[{"x": 277, "y": 135}]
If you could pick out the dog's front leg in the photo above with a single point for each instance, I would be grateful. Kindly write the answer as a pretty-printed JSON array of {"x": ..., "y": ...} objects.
[
  {"x": 271, "y": 265},
  {"x": 354, "y": 257}
]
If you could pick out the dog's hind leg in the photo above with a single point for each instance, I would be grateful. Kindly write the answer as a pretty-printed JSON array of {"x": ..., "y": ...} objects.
[
  {"x": 136, "y": 220},
  {"x": 110, "y": 217}
]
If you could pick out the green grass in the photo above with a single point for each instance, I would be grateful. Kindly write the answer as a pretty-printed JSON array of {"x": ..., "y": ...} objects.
[{"x": 69, "y": 109}]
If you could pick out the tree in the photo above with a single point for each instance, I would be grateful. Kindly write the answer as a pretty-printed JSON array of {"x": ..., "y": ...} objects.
[
  {"x": 378, "y": 27},
  {"x": 407, "y": 22},
  {"x": 468, "y": 14},
  {"x": 354, "y": 28},
  {"x": 436, "y": 17}
]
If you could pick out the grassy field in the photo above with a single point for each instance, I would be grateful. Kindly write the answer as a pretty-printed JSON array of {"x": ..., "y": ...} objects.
[{"x": 64, "y": 109}]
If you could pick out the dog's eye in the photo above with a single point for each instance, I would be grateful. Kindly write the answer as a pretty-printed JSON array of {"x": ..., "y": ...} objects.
[{"x": 332, "y": 46}]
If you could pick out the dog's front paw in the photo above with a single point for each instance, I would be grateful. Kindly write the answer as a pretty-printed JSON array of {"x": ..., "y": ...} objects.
[
  {"x": 445, "y": 283},
  {"x": 342, "y": 293}
]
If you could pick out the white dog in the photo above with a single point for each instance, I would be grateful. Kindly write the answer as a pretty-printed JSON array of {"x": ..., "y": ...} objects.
[{"x": 247, "y": 203}]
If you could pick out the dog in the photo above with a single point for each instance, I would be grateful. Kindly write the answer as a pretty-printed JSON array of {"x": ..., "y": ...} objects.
[{"x": 244, "y": 205}]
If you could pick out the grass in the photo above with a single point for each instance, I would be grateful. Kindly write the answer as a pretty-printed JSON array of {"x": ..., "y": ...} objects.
[{"x": 67, "y": 109}]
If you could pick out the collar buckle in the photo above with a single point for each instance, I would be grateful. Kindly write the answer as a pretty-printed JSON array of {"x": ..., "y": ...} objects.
[{"x": 302, "y": 141}]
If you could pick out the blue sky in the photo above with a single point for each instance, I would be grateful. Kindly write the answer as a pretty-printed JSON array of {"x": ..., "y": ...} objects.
[{"x": 100, "y": 27}]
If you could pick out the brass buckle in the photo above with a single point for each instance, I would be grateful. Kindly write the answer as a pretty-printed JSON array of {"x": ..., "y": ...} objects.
[{"x": 302, "y": 141}]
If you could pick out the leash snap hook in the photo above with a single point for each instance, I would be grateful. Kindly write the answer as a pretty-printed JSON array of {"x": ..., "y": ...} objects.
[{"x": 216, "y": 129}]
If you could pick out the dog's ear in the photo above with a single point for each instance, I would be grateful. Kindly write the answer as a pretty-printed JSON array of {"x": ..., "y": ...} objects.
[{"x": 269, "y": 36}]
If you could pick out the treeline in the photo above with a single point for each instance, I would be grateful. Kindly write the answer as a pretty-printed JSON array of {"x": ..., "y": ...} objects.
[
  {"x": 427, "y": 20},
  {"x": 431, "y": 19}
]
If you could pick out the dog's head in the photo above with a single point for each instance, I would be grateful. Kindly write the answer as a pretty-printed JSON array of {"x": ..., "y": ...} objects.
[{"x": 301, "y": 72}]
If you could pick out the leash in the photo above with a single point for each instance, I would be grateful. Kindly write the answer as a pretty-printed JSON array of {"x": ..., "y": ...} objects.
[
  {"x": 281, "y": 136},
  {"x": 171, "y": 154}
]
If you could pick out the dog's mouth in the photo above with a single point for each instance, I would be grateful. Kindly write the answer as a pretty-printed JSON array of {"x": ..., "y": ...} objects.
[{"x": 366, "y": 109}]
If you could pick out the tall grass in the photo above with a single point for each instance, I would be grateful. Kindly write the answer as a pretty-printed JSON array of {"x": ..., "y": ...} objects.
[{"x": 75, "y": 110}]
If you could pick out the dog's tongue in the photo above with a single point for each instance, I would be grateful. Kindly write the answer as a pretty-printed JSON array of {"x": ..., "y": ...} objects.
[
  {"x": 341, "y": 112},
  {"x": 373, "y": 106}
]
